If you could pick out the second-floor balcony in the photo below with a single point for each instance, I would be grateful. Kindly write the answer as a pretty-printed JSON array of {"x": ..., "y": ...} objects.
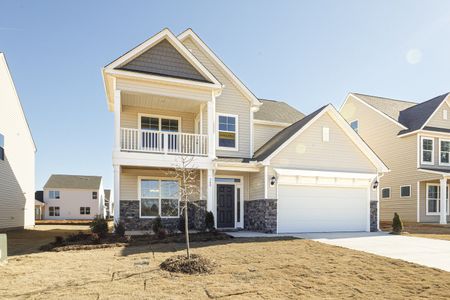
[{"x": 164, "y": 142}]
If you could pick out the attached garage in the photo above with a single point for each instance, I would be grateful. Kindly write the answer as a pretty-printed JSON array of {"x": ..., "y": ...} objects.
[{"x": 323, "y": 201}]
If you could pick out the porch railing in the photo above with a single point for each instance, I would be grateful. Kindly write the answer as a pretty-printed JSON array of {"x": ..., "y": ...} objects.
[{"x": 163, "y": 142}]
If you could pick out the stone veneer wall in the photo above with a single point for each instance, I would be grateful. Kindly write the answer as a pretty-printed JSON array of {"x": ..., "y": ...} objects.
[
  {"x": 261, "y": 215},
  {"x": 373, "y": 216},
  {"x": 129, "y": 215}
]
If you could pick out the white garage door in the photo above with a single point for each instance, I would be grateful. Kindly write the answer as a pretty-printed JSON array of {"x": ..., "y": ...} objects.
[{"x": 322, "y": 209}]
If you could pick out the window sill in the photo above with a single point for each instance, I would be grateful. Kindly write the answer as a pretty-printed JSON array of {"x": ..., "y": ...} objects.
[{"x": 227, "y": 149}]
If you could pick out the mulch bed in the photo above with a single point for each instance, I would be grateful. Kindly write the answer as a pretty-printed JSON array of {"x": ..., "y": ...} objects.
[
  {"x": 89, "y": 241},
  {"x": 195, "y": 265}
]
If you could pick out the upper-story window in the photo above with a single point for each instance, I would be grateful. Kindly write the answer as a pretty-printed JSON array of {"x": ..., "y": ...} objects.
[
  {"x": 53, "y": 194},
  {"x": 94, "y": 195},
  {"x": 444, "y": 152},
  {"x": 354, "y": 125},
  {"x": 228, "y": 125},
  {"x": 427, "y": 156},
  {"x": 159, "y": 123},
  {"x": 2, "y": 147}
]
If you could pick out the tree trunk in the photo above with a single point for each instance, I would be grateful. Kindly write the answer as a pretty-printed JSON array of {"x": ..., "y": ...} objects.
[{"x": 186, "y": 229}]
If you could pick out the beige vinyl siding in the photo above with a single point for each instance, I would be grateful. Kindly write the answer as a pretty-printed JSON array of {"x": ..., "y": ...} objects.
[
  {"x": 130, "y": 117},
  {"x": 231, "y": 101},
  {"x": 129, "y": 181},
  {"x": 309, "y": 151},
  {"x": 423, "y": 208},
  {"x": 256, "y": 189},
  {"x": 438, "y": 120},
  {"x": 399, "y": 154},
  {"x": 262, "y": 133}
]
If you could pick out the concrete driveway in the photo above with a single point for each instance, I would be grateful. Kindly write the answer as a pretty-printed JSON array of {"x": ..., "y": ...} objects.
[{"x": 428, "y": 252}]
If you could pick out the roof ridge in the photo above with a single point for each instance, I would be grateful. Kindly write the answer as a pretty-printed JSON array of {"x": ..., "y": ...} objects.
[
  {"x": 385, "y": 98},
  {"x": 424, "y": 102}
]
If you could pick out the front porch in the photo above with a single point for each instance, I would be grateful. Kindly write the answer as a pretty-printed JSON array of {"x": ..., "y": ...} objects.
[{"x": 433, "y": 204}]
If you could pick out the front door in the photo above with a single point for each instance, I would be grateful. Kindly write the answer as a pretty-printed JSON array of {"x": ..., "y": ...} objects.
[{"x": 225, "y": 206}]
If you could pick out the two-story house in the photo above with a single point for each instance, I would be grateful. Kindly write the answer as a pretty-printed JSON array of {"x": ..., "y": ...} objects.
[
  {"x": 262, "y": 165},
  {"x": 74, "y": 197},
  {"x": 413, "y": 139},
  {"x": 17, "y": 157}
]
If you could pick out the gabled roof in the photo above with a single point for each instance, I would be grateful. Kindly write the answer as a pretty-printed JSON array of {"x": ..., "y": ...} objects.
[
  {"x": 281, "y": 137},
  {"x": 409, "y": 115},
  {"x": 277, "y": 111},
  {"x": 189, "y": 33},
  {"x": 60, "y": 181},
  {"x": 417, "y": 116},
  {"x": 289, "y": 134}
]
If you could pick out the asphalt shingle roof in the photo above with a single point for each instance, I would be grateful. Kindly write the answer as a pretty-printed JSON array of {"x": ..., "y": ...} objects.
[
  {"x": 277, "y": 111},
  {"x": 281, "y": 137},
  {"x": 73, "y": 182}
]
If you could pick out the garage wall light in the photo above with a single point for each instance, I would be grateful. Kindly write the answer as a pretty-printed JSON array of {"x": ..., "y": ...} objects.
[
  {"x": 375, "y": 185},
  {"x": 272, "y": 181}
]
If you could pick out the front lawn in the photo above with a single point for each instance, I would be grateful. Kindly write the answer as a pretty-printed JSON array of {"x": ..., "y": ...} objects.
[
  {"x": 248, "y": 268},
  {"x": 431, "y": 231}
]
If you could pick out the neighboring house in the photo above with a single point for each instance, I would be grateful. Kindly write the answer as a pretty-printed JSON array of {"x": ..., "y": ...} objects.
[
  {"x": 261, "y": 164},
  {"x": 39, "y": 205},
  {"x": 109, "y": 202},
  {"x": 17, "y": 157},
  {"x": 73, "y": 197},
  {"x": 413, "y": 139}
]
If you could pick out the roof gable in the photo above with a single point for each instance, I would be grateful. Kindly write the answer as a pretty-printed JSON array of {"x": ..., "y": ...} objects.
[
  {"x": 73, "y": 182},
  {"x": 163, "y": 59},
  {"x": 159, "y": 62},
  {"x": 287, "y": 135}
]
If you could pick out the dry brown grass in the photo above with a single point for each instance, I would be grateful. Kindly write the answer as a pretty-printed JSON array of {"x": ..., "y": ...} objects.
[
  {"x": 248, "y": 268},
  {"x": 431, "y": 231}
]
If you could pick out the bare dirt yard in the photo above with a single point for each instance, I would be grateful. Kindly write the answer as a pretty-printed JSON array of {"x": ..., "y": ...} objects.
[
  {"x": 431, "y": 231},
  {"x": 262, "y": 268}
]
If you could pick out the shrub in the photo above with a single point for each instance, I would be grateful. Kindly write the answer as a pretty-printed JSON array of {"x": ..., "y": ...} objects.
[
  {"x": 209, "y": 221},
  {"x": 59, "y": 240},
  {"x": 95, "y": 238},
  {"x": 119, "y": 229},
  {"x": 157, "y": 225},
  {"x": 162, "y": 234},
  {"x": 397, "y": 224},
  {"x": 99, "y": 226},
  {"x": 181, "y": 226}
]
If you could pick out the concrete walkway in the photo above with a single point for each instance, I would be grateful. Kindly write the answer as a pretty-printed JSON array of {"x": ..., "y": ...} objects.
[{"x": 427, "y": 252}]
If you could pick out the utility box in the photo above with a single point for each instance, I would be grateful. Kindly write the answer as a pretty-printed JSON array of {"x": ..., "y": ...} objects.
[{"x": 3, "y": 248}]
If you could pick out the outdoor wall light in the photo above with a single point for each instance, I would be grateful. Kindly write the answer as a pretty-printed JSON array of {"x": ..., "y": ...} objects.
[
  {"x": 375, "y": 184},
  {"x": 272, "y": 181}
]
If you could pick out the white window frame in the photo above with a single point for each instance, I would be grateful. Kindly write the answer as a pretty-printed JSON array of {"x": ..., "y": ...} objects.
[
  {"x": 54, "y": 195},
  {"x": 236, "y": 132},
  {"x": 140, "y": 178},
  {"x": 410, "y": 191},
  {"x": 325, "y": 134},
  {"x": 421, "y": 151},
  {"x": 440, "y": 162},
  {"x": 159, "y": 117},
  {"x": 390, "y": 193},
  {"x": 357, "y": 125},
  {"x": 438, "y": 200},
  {"x": 54, "y": 211}
]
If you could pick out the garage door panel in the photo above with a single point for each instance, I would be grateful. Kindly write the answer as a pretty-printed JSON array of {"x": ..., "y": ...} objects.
[{"x": 321, "y": 209}]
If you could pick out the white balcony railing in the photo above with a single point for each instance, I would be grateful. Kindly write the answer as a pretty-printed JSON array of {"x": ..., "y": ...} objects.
[{"x": 163, "y": 142}]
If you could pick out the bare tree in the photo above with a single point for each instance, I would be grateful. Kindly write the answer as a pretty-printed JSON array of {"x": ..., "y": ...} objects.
[{"x": 186, "y": 173}]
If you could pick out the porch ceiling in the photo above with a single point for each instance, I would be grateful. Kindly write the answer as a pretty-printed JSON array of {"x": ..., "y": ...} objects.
[{"x": 160, "y": 102}]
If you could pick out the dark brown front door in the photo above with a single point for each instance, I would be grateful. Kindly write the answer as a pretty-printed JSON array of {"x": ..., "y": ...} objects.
[{"x": 225, "y": 206}]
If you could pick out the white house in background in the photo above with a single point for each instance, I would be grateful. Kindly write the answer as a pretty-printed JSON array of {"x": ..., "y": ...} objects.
[
  {"x": 262, "y": 165},
  {"x": 17, "y": 157},
  {"x": 109, "y": 203},
  {"x": 73, "y": 197}
]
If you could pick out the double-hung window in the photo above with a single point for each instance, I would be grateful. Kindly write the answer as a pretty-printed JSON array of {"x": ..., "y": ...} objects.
[
  {"x": 159, "y": 197},
  {"x": 152, "y": 139},
  {"x": 53, "y": 211},
  {"x": 85, "y": 210},
  {"x": 95, "y": 195},
  {"x": 227, "y": 129},
  {"x": 53, "y": 194},
  {"x": 444, "y": 149},
  {"x": 427, "y": 155},
  {"x": 2, "y": 147},
  {"x": 434, "y": 199}
]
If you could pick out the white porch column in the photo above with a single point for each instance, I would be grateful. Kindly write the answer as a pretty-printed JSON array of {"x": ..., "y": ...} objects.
[
  {"x": 210, "y": 191},
  {"x": 443, "y": 213},
  {"x": 211, "y": 127},
  {"x": 116, "y": 193},
  {"x": 117, "y": 111}
]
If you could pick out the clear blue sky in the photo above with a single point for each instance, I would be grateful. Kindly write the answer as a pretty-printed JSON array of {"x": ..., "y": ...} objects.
[{"x": 305, "y": 53}]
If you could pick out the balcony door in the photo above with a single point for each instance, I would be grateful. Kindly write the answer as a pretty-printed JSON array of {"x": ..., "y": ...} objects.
[{"x": 156, "y": 128}]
